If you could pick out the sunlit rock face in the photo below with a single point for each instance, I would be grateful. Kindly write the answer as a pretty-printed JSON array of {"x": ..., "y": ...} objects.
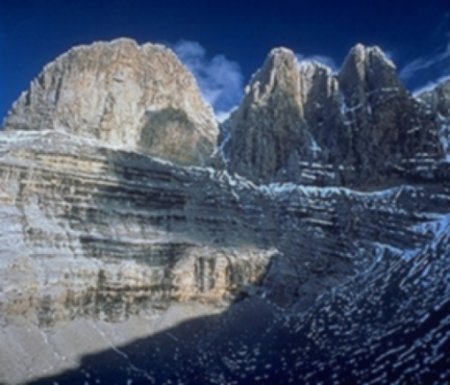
[
  {"x": 123, "y": 94},
  {"x": 317, "y": 252},
  {"x": 115, "y": 232},
  {"x": 301, "y": 122}
]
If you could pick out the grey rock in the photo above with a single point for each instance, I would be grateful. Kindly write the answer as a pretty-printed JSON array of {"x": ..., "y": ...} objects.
[
  {"x": 269, "y": 122},
  {"x": 438, "y": 101},
  {"x": 438, "y": 98},
  {"x": 299, "y": 122},
  {"x": 384, "y": 126}
]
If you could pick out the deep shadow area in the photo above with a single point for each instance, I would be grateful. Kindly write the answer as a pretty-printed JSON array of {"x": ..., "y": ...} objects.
[
  {"x": 382, "y": 328},
  {"x": 256, "y": 343},
  {"x": 189, "y": 353},
  {"x": 170, "y": 131}
]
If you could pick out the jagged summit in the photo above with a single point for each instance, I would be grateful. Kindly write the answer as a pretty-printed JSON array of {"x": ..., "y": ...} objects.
[
  {"x": 293, "y": 114},
  {"x": 269, "y": 120},
  {"x": 280, "y": 52},
  {"x": 369, "y": 53},
  {"x": 366, "y": 69},
  {"x": 303, "y": 123},
  {"x": 278, "y": 73},
  {"x": 125, "y": 95}
]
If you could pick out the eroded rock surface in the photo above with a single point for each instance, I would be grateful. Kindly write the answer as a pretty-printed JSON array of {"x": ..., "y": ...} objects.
[
  {"x": 300, "y": 122},
  {"x": 132, "y": 96}
]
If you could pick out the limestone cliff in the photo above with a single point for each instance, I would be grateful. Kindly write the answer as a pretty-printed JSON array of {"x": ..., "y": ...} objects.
[
  {"x": 387, "y": 131},
  {"x": 123, "y": 94},
  {"x": 270, "y": 121},
  {"x": 300, "y": 122}
]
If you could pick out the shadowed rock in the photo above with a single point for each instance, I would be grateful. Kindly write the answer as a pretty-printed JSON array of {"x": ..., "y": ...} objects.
[
  {"x": 438, "y": 101},
  {"x": 301, "y": 123}
]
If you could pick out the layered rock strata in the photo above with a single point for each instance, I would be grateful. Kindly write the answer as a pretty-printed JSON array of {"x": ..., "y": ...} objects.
[{"x": 97, "y": 232}]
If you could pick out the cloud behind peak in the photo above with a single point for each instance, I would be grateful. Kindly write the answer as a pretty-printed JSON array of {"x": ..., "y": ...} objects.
[{"x": 220, "y": 80}]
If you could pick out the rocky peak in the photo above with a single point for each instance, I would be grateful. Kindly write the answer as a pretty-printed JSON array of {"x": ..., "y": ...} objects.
[
  {"x": 125, "y": 95},
  {"x": 299, "y": 122},
  {"x": 281, "y": 119},
  {"x": 283, "y": 76},
  {"x": 367, "y": 69},
  {"x": 269, "y": 120},
  {"x": 278, "y": 78},
  {"x": 364, "y": 59}
]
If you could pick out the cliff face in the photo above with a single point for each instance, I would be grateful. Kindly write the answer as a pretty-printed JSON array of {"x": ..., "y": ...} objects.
[
  {"x": 328, "y": 229},
  {"x": 268, "y": 135},
  {"x": 438, "y": 102},
  {"x": 136, "y": 97},
  {"x": 300, "y": 122},
  {"x": 114, "y": 232}
]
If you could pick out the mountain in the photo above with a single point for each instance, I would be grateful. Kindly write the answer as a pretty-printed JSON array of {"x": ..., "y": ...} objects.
[
  {"x": 300, "y": 122},
  {"x": 307, "y": 242},
  {"x": 129, "y": 96}
]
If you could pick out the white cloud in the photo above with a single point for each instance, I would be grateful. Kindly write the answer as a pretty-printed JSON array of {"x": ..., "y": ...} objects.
[
  {"x": 322, "y": 59},
  {"x": 220, "y": 80},
  {"x": 437, "y": 63},
  {"x": 425, "y": 63}
]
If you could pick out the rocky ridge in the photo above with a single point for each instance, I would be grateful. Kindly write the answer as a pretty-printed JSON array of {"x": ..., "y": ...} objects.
[
  {"x": 292, "y": 241},
  {"x": 299, "y": 122}
]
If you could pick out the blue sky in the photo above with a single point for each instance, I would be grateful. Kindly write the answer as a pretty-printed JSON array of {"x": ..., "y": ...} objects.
[{"x": 224, "y": 42}]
